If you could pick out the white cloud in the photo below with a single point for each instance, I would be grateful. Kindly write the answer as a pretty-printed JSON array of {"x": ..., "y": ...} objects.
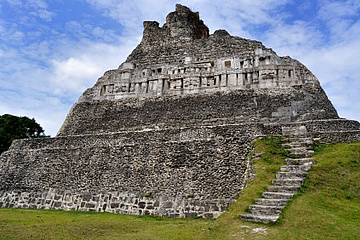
[
  {"x": 88, "y": 31},
  {"x": 37, "y": 8},
  {"x": 72, "y": 73},
  {"x": 293, "y": 39},
  {"x": 232, "y": 15},
  {"x": 40, "y": 9},
  {"x": 331, "y": 10},
  {"x": 339, "y": 16},
  {"x": 43, "y": 77},
  {"x": 47, "y": 93},
  {"x": 131, "y": 13},
  {"x": 43, "y": 14},
  {"x": 87, "y": 61},
  {"x": 14, "y": 2}
]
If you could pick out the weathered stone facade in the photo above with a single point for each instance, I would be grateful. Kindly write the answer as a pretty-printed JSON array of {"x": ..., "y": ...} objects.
[
  {"x": 181, "y": 58},
  {"x": 168, "y": 132}
]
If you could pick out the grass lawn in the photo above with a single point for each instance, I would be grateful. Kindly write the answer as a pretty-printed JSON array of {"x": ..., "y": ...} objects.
[{"x": 327, "y": 208}]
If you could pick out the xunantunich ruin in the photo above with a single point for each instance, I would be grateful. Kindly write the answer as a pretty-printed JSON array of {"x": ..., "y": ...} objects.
[{"x": 168, "y": 132}]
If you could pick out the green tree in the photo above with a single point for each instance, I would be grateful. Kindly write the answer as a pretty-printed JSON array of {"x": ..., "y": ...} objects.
[{"x": 13, "y": 127}]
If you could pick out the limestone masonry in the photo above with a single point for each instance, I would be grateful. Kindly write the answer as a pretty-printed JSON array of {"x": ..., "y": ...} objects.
[{"x": 168, "y": 132}]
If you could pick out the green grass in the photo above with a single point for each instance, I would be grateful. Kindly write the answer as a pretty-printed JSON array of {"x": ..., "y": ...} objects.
[
  {"x": 327, "y": 208},
  {"x": 51, "y": 224}
]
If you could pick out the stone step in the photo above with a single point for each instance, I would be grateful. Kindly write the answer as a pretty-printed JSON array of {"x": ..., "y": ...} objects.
[
  {"x": 300, "y": 161},
  {"x": 301, "y": 151},
  {"x": 298, "y": 144},
  {"x": 287, "y": 175},
  {"x": 259, "y": 218},
  {"x": 265, "y": 210},
  {"x": 300, "y": 138},
  {"x": 288, "y": 182},
  {"x": 293, "y": 168},
  {"x": 287, "y": 189},
  {"x": 301, "y": 148},
  {"x": 307, "y": 140},
  {"x": 277, "y": 195},
  {"x": 294, "y": 131},
  {"x": 271, "y": 202}
]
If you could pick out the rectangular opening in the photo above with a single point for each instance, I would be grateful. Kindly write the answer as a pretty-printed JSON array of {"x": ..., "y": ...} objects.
[
  {"x": 228, "y": 64},
  {"x": 163, "y": 86},
  {"x": 159, "y": 70},
  {"x": 262, "y": 60},
  {"x": 290, "y": 73},
  {"x": 246, "y": 76},
  {"x": 103, "y": 90}
]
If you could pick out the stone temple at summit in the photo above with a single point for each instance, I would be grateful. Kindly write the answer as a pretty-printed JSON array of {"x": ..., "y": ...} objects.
[{"x": 168, "y": 132}]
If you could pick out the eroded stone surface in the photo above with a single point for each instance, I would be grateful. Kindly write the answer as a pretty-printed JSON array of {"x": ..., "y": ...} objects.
[{"x": 182, "y": 58}]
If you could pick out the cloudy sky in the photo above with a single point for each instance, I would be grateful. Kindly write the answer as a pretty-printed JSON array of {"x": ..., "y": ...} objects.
[{"x": 51, "y": 51}]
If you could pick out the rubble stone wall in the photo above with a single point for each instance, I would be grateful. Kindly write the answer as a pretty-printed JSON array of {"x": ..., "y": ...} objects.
[
  {"x": 298, "y": 103},
  {"x": 338, "y": 136},
  {"x": 177, "y": 172},
  {"x": 114, "y": 202}
]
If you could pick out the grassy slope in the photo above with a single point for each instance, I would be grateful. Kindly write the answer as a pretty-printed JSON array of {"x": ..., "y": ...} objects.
[{"x": 328, "y": 208}]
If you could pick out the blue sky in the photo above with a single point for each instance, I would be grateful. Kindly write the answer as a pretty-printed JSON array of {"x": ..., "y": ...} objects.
[{"x": 51, "y": 51}]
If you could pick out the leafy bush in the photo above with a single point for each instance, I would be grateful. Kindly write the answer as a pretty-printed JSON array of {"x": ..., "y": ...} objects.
[{"x": 13, "y": 127}]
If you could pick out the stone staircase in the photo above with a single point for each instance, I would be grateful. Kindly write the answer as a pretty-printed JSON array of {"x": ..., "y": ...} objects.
[{"x": 288, "y": 181}]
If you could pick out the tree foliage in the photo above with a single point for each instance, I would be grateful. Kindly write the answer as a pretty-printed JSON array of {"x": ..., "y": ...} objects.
[{"x": 13, "y": 127}]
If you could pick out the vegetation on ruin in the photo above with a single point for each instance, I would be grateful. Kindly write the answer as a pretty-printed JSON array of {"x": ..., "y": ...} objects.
[{"x": 328, "y": 207}]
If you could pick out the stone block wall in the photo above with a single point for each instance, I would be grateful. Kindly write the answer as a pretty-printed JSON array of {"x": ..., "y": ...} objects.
[
  {"x": 338, "y": 137},
  {"x": 298, "y": 103},
  {"x": 174, "y": 172},
  {"x": 315, "y": 127},
  {"x": 114, "y": 202}
]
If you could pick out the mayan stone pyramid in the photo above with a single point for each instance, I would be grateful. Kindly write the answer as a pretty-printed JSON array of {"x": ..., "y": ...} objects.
[{"x": 168, "y": 132}]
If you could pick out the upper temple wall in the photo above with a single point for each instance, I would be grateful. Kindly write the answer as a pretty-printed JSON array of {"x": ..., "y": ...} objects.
[
  {"x": 261, "y": 69},
  {"x": 182, "y": 58}
]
